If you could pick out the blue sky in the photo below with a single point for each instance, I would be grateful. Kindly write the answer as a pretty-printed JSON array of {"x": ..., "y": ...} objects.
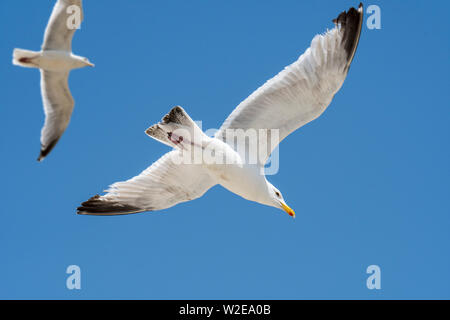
[{"x": 369, "y": 179}]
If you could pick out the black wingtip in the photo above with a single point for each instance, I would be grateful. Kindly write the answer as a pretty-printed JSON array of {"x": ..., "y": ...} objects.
[
  {"x": 46, "y": 150},
  {"x": 96, "y": 206},
  {"x": 351, "y": 24},
  {"x": 42, "y": 154}
]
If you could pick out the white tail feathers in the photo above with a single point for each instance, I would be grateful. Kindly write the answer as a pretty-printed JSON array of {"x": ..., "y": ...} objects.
[
  {"x": 24, "y": 58},
  {"x": 177, "y": 130}
]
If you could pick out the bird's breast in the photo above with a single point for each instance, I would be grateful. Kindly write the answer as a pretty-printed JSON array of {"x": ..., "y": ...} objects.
[{"x": 56, "y": 61}]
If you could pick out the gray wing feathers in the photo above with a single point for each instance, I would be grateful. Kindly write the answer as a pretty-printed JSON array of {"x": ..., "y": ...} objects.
[
  {"x": 303, "y": 90},
  {"x": 164, "y": 184},
  {"x": 58, "y": 105},
  {"x": 58, "y": 36}
]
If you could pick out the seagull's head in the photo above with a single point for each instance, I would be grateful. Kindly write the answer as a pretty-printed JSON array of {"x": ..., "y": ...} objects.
[
  {"x": 81, "y": 62},
  {"x": 277, "y": 200},
  {"x": 87, "y": 62}
]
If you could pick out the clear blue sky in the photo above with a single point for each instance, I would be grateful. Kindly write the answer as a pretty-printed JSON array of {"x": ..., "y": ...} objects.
[{"x": 369, "y": 179}]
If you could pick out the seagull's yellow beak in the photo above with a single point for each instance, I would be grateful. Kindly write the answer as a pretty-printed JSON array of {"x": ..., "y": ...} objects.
[{"x": 288, "y": 209}]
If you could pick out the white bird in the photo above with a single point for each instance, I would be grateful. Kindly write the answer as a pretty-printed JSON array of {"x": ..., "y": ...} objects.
[
  {"x": 296, "y": 96},
  {"x": 55, "y": 62}
]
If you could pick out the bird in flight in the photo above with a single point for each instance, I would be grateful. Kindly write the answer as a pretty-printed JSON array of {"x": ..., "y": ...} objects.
[
  {"x": 297, "y": 95},
  {"x": 55, "y": 62}
]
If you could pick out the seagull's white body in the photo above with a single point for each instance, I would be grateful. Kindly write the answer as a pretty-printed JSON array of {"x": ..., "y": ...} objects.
[
  {"x": 297, "y": 95},
  {"x": 55, "y": 61},
  {"x": 240, "y": 177}
]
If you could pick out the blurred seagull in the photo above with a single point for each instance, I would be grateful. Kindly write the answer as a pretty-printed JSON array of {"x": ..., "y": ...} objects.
[
  {"x": 55, "y": 61},
  {"x": 296, "y": 96}
]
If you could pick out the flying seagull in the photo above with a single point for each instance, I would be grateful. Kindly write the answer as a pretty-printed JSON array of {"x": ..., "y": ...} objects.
[
  {"x": 55, "y": 61},
  {"x": 296, "y": 96}
]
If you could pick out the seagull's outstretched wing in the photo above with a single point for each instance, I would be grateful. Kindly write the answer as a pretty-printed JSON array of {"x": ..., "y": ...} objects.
[
  {"x": 58, "y": 35},
  {"x": 162, "y": 185},
  {"x": 58, "y": 105},
  {"x": 303, "y": 90}
]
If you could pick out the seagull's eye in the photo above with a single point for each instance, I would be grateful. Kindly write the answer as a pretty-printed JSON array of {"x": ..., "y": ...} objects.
[{"x": 277, "y": 193}]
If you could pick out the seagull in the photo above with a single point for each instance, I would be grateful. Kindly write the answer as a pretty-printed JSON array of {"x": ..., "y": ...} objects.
[
  {"x": 297, "y": 95},
  {"x": 55, "y": 61}
]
